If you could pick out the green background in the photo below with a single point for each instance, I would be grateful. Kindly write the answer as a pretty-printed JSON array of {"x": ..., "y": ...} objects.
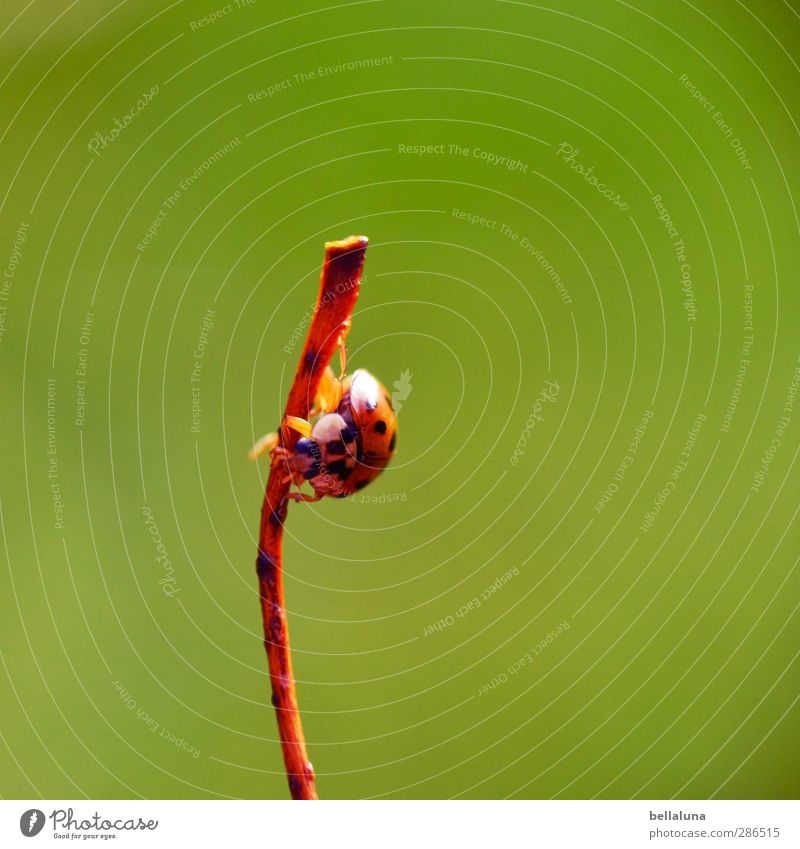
[{"x": 678, "y": 673}]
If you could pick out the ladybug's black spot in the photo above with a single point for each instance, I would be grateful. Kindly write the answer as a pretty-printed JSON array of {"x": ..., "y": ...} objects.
[
  {"x": 335, "y": 446},
  {"x": 307, "y": 447},
  {"x": 380, "y": 426},
  {"x": 339, "y": 469},
  {"x": 348, "y": 433},
  {"x": 312, "y": 472},
  {"x": 393, "y": 441},
  {"x": 361, "y": 484},
  {"x": 276, "y": 701}
]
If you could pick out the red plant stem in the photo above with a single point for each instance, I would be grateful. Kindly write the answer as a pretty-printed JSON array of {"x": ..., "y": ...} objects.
[{"x": 338, "y": 291}]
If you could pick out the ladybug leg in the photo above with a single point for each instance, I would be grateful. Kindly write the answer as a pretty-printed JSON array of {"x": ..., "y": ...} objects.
[
  {"x": 301, "y": 426},
  {"x": 288, "y": 457},
  {"x": 345, "y": 329},
  {"x": 301, "y": 496},
  {"x": 268, "y": 444},
  {"x": 265, "y": 445},
  {"x": 292, "y": 474},
  {"x": 328, "y": 395},
  {"x": 331, "y": 387}
]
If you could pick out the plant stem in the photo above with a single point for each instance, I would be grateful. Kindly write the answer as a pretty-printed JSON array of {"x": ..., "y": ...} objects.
[{"x": 338, "y": 291}]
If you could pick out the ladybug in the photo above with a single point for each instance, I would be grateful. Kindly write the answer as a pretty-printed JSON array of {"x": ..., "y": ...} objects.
[{"x": 345, "y": 448}]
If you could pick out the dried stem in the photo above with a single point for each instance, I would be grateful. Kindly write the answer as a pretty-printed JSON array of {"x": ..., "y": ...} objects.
[{"x": 338, "y": 291}]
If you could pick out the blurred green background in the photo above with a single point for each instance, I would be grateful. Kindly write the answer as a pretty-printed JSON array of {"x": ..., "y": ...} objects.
[{"x": 497, "y": 615}]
